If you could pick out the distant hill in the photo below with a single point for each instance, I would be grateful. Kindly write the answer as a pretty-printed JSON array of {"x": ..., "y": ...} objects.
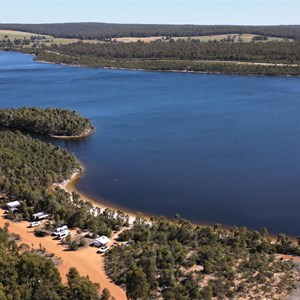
[{"x": 106, "y": 30}]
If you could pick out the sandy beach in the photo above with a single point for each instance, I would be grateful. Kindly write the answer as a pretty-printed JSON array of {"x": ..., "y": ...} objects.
[
  {"x": 70, "y": 186},
  {"x": 70, "y": 137}
]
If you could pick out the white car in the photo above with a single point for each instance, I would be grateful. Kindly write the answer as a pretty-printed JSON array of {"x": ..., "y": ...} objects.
[
  {"x": 103, "y": 249},
  {"x": 35, "y": 224}
]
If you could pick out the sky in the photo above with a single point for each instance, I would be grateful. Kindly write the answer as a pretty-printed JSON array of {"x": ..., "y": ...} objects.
[{"x": 241, "y": 12}]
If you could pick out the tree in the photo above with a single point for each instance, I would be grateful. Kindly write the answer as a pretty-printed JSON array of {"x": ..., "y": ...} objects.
[
  {"x": 73, "y": 246},
  {"x": 105, "y": 294},
  {"x": 137, "y": 286},
  {"x": 264, "y": 232},
  {"x": 81, "y": 287}
]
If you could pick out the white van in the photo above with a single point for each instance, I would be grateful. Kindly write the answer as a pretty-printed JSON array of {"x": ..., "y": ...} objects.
[{"x": 59, "y": 230}]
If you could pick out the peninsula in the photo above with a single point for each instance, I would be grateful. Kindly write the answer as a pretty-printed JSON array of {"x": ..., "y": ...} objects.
[{"x": 55, "y": 122}]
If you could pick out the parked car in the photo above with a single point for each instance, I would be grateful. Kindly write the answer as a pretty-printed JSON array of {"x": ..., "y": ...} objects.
[
  {"x": 35, "y": 224},
  {"x": 103, "y": 249}
]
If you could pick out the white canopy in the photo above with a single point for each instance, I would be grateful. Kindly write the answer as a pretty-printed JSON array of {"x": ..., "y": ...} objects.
[
  {"x": 103, "y": 240},
  {"x": 40, "y": 215}
]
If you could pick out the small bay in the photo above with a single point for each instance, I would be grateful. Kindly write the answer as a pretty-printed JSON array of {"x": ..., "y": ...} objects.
[{"x": 212, "y": 148}]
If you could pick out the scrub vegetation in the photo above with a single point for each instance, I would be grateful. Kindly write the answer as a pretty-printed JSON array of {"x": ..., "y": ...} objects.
[{"x": 176, "y": 260}]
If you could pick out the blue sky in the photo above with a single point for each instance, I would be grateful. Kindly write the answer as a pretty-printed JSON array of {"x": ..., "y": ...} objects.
[{"x": 244, "y": 12}]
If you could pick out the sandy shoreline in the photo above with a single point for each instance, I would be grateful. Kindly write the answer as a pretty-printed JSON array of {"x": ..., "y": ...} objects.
[
  {"x": 69, "y": 186},
  {"x": 179, "y": 71},
  {"x": 87, "y": 132}
]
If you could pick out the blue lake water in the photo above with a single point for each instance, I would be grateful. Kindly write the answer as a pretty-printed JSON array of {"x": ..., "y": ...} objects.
[{"x": 212, "y": 148}]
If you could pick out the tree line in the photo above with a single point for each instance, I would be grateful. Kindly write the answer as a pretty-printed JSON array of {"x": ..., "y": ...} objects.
[
  {"x": 275, "y": 52},
  {"x": 102, "y": 31}
]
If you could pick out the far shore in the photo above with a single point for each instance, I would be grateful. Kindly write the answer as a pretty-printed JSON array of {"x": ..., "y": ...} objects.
[{"x": 177, "y": 71}]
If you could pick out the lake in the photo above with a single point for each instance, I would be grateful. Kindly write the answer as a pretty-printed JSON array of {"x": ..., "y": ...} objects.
[{"x": 212, "y": 148}]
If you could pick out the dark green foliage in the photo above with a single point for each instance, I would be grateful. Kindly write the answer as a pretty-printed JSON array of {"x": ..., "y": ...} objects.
[
  {"x": 28, "y": 167},
  {"x": 81, "y": 287},
  {"x": 26, "y": 275},
  {"x": 106, "y": 30},
  {"x": 49, "y": 121},
  {"x": 136, "y": 283}
]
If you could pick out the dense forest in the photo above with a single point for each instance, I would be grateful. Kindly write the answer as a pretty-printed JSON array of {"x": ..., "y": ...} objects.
[
  {"x": 50, "y": 121},
  {"x": 27, "y": 274},
  {"x": 176, "y": 260},
  {"x": 275, "y": 52},
  {"x": 28, "y": 170},
  {"x": 272, "y": 58},
  {"x": 106, "y": 30}
]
